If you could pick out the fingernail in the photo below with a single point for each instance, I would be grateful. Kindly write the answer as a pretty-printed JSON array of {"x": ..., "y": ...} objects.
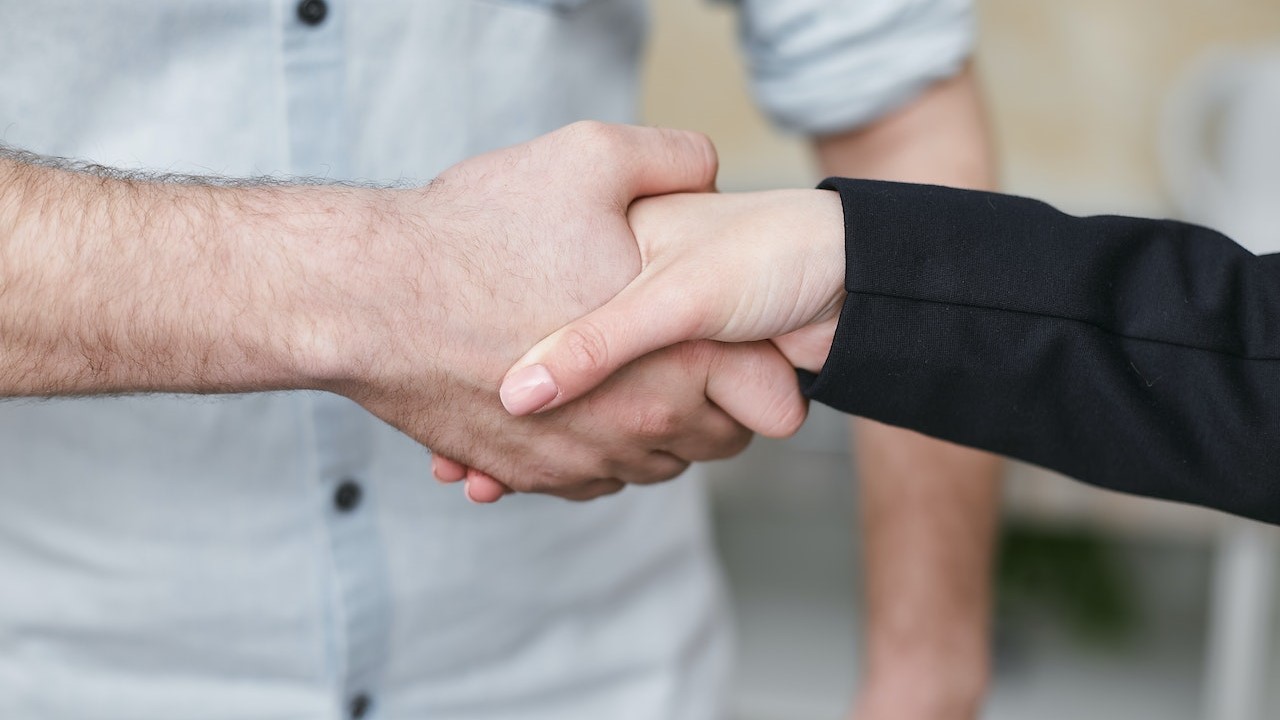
[
  {"x": 528, "y": 389},
  {"x": 466, "y": 490}
]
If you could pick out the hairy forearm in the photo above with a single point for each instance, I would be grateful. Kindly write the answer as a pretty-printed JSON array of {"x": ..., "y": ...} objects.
[
  {"x": 114, "y": 283},
  {"x": 412, "y": 303}
]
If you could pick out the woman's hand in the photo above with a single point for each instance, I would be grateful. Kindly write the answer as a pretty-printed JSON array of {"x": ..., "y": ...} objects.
[{"x": 732, "y": 267}]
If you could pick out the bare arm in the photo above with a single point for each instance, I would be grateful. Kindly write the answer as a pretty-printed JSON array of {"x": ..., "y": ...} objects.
[
  {"x": 928, "y": 508},
  {"x": 411, "y": 302},
  {"x": 120, "y": 283}
]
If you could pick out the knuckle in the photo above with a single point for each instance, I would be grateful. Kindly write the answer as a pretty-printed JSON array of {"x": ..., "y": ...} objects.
[
  {"x": 587, "y": 349},
  {"x": 656, "y": 467},
  {"x": 588, "y": 127},
  {"x": 603, "y": 465},
  {"x": 698, "y": 354},
  {"x": 706, "y": 149},
  {"x": 546, "y": 478},
  {"x": 658, "y": 421},
  {"x": 594, "y": 135},
  {"x": 788, "y": 415},
  {"x": 692, "y": 352},
  {"x": 796, "y": 420}
]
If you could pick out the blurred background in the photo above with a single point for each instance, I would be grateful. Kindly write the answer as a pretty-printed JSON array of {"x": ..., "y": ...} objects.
[{"x": 1109, "y": 607}]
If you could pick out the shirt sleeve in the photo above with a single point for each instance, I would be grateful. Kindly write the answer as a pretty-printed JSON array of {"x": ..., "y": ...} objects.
[
  {"x": 822, "y": 66},
  {"x": 1137, "y": 355}
]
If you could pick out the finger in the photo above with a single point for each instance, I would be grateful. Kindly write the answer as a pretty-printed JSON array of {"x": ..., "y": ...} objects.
[
  {"x": 590, "y": 490},
  {"x": 652, "y": 161},
  {"x": 756, "y": 385},
  {"x": 710, "y": 434},
  {"x": 482, "y": 488},
  {"x": 657, "y": 466},
  {"x": 579, "y": 356},
  {"x": 808, "y": 347},
  {"x": 446, "y": 470}
]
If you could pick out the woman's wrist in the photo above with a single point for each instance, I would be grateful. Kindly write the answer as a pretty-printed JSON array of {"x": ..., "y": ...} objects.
[{"x": 820, "y": 224}]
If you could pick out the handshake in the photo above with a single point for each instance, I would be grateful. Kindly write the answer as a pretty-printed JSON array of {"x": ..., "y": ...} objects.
[
  {"x": 583, "y": 311},
  {"x": 603, "y": 248},
  {"x": 668, "y": 319},
  {"x": 1139, "y": 355}
]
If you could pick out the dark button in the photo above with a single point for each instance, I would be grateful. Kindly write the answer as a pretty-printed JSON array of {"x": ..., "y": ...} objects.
[
  {"x": 359, "y": 706},
  {"x": 348, "y": 496},
  {"x": 312, "y": 12}
]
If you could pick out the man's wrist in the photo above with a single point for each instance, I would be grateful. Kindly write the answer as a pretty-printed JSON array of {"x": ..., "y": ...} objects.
[{"x": 334, "y": 275}]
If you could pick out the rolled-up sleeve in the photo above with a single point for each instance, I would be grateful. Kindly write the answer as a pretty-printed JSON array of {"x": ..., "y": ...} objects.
[{"x": 823, "y": 66}]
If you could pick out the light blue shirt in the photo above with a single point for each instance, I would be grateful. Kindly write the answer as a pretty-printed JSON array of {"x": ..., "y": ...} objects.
[{"x": 184, "y": 557}]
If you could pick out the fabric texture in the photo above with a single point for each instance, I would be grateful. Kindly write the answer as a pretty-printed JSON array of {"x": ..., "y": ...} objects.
[
  {"x": 180, "y": 557},
  {"x": 183, "y": 557},
  {"x": 1137, "y": 355},
  {"x": 825, "y": 66}
]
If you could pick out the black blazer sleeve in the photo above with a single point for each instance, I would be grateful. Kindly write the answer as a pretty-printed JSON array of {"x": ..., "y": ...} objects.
[{"x": 1137, "y": 355}]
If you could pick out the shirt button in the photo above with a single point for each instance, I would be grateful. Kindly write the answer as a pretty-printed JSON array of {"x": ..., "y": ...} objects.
[
  {"x": 348, "y": 496},
  {"x": 359, "y": 706},
  {"x": 312, "y": 12}
]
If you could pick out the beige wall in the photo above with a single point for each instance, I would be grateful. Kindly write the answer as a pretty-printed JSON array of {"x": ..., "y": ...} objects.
[
  {"x": 1076, "y": 88},
  {"x": 694, "y": 79}
]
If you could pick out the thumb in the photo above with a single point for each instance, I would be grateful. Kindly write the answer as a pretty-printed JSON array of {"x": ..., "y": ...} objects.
[
  {"x": 658, "y": 161},
  {"x": 579, "y": 356}
]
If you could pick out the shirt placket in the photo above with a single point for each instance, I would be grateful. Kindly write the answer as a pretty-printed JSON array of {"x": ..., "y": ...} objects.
[{"x": 314, "y": 70}]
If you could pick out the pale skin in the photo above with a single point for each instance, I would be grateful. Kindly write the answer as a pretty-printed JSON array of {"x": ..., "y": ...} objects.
[
  {"x": 411, "y": 302},
  {"x": 929, "y": 508}
]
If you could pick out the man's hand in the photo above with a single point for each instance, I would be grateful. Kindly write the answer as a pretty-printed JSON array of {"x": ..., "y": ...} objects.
[
  {"x": 727, "y": 267},
  {"x": 724, "y": 267},
  {"x": 411, "y": 302},
  {"x": 655, "y": 415},
  {"x": 535, "y": 236}
]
